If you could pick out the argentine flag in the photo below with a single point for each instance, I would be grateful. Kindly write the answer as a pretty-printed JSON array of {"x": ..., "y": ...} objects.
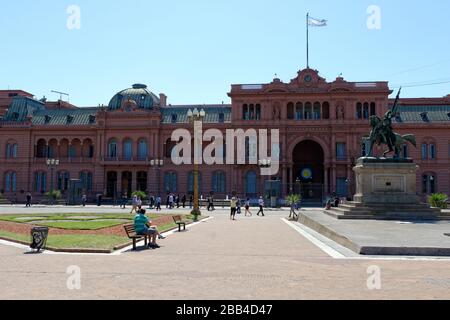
[{"x": 316, "y": 22}]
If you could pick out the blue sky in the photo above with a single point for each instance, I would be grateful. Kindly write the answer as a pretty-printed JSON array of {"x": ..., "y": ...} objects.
[{"x": 194, "y": 50}]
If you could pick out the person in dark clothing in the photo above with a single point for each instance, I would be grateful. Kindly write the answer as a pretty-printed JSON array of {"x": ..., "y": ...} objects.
[
  {"x": 28, "y": 200},
  {"x": 183, "y": 201}
]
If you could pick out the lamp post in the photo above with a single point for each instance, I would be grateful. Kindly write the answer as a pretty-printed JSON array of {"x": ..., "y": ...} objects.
[
  {"x": 157, "y": 164},
  {"x": 196, "y": 118},
  {"x": 52, "y": 164}
]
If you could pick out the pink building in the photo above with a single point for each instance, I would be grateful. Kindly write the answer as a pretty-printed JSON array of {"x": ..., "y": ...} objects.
[{"x": 112, "y": 150}]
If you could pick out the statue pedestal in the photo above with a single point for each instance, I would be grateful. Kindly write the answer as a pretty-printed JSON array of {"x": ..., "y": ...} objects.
[
  {"x": 386, "y": 181},
  {"x": 386, "y": 190}
]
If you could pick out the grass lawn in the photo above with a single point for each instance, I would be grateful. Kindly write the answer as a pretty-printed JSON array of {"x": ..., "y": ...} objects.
[
  {"x": 81, "y": 225},
  {"x": 107, "y": 242},
  {"x": 24, "y": 218}
]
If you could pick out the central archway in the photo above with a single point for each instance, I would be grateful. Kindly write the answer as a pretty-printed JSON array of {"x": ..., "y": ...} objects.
[{"x": 309, "y": 174}]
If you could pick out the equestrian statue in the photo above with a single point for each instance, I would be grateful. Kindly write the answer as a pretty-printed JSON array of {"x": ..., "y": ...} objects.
[{"x": 383, "y": 134}]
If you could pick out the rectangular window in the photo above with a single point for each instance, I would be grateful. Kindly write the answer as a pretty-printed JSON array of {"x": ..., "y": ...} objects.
[
  {"x": 341, "y": 153},
  {"x": 424, "y": 151},
  {"x": 432, "y": 151}
]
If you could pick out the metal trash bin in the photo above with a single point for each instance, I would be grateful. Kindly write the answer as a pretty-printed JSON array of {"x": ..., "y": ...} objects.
[{"x": 39, "y": 237}]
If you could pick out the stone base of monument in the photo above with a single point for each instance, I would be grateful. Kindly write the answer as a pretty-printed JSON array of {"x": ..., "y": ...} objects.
[{"x": 386, "y": 190}]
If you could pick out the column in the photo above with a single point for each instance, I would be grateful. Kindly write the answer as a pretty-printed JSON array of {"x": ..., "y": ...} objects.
[
  {"x": 285, "y": 186},
  {"x": 119, "y": 183}
]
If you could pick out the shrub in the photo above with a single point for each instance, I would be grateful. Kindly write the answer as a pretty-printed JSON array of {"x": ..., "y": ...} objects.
[
  {"x": 55, "y": 194},
  {"x": 292, "y": 199},
  {"x": 438, "y": 200},
  {"x": 140, "y": 194}
]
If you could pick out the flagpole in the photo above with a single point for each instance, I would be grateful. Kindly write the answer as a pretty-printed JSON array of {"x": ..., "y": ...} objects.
[{"x": 307, "y": 40}]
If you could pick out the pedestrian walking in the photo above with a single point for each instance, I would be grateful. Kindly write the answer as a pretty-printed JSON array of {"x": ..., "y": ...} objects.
[
  {"x": 28, "y": 200},
  {"x": 83, "y": 200},
  {"x": 233, "y": 206},
  {"x": 238, "y": 209},
  {"x": 158, "y": 203},
  {"x": 247, "y": 207},
  {"x": 183, "y": 201},
  {"x": 261, "y": 206},
  {"x": 123, "y": 201},
  {"x": 134, "y": 204}
]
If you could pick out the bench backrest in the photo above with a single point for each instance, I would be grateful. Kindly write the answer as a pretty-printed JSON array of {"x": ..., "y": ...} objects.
[
  {"x": 129, "y": 229},
  {"x": 177, "y": 219}
]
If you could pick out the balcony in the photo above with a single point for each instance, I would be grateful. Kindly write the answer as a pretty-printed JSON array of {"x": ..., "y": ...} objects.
[
  {"x": 66, "y": 160},
  {"x": 127, "y": 160}
]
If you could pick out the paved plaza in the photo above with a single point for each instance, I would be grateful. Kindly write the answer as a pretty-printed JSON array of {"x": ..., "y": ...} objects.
[{"x": 251, "y": 258}]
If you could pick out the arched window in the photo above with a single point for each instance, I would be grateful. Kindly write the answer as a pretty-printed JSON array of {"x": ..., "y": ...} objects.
[
  {"x": 429, "y": 183},
  {"x": 142, "y": 149},
  {"x": 127, "y": 149},
  {"x": 366, "y": 110},
  {"x": 10, "y": 182},
  {"x": 252, "y": 112},
  {"x": 219, "y": 182},
  {"x": 359, "y": 111},
  {"x": 86, "y": 180},
  {"x": 316, "y": 111},
  {"x": 41, "y": 149},
  {"x": 11, "y": 150},
  {"x": 308, "y": 111},
  {"x": 63, "y": 180},
  {"x": 250, "y": 184},
  {"x": 245, "y": 112},
  {"x": 112, "y": 148},
  {"x": 299, "y": 111},
  {"x": 170, "y": 182},
  {"x": 258, "y": 112},
  {"x": 290, "y": 111},
  {"x": 40, "y": 182},
  {"x": 191, "y": 183}
]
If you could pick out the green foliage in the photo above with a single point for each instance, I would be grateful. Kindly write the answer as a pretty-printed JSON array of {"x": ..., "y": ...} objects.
[
  {"x": 55, "y": 194},
  {"x": 438, "y": 200},
  {"x": 140, "y": 194},
  {"x": 195, "y": 213},
  {"x": 292, "y": 199}
]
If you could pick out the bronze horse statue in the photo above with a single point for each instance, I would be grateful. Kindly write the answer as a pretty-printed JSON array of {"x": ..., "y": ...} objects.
[{"x": 382, "y": 133}]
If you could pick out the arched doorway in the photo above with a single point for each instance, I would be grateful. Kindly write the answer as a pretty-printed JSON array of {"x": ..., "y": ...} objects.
[{"x": 309, "y": 174}]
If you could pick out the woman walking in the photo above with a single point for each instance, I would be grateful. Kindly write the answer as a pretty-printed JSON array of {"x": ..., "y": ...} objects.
[
  {"x": 247, "y": 207},
  {"x": 233, "y": 207}
]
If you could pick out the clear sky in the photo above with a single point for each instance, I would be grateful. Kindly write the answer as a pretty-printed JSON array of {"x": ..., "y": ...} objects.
[{"x": 193, "y": 50}]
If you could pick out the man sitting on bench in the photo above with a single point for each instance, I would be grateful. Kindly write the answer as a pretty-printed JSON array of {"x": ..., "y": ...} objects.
[{"x": 142, "y": 225}]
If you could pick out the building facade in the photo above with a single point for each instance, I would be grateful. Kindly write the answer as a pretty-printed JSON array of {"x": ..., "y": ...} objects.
[{"x": 116, "y": 149}]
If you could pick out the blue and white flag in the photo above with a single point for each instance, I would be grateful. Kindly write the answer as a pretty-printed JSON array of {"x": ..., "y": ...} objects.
[{"x": 316, "y": 22}]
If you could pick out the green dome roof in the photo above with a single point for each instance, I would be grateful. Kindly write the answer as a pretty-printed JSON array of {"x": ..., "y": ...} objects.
[{"x": 139, "y": 93}]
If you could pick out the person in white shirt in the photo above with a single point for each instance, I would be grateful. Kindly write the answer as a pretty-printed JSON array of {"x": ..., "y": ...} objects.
[{"x": 261, "y": 206}]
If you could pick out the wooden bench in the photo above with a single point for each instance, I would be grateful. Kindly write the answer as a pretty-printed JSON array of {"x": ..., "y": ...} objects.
[
  {"x": 180, "y": 222},
  {"x": 131, "y": 233}
]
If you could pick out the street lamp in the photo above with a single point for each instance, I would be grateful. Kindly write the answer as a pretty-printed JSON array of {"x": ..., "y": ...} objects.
[
  {"x": 52, "y": 164},
  {"x": 196, "y": 118},
  {"x": 157, "y": 164}
]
